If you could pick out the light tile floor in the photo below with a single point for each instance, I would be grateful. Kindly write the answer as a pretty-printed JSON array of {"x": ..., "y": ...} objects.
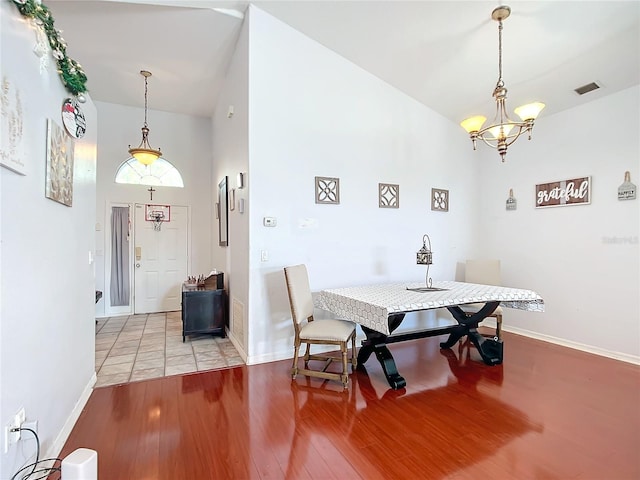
[{"x": 141, "y": 347}]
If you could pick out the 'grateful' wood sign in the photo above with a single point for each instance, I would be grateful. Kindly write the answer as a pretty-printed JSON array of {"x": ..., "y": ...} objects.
[{"x": 575, "y": 191}]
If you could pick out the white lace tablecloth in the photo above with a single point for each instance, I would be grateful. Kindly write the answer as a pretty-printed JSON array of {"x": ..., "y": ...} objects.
[{"x": 371, "y": 305}]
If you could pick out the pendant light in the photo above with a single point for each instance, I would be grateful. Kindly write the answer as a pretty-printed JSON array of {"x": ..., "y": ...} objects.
[
  {"x": 503, "y": 131},
  {"x": 144, "y": 153}
]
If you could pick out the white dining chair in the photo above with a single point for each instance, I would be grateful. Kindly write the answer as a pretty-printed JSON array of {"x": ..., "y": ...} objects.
[{"x": 316, "y": 332}]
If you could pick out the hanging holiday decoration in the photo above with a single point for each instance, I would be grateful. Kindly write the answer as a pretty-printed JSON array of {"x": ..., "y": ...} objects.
[{"x": 71, "y": 73}]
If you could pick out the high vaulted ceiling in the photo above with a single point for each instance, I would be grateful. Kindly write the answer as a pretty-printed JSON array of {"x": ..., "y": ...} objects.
[{"x": 442, "y": 53}]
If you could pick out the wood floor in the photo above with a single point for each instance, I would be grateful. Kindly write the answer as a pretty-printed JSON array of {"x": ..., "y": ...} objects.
[{"x": 547, "y": 413}]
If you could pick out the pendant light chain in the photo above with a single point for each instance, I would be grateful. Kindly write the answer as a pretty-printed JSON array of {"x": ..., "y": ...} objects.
[
  {"x": 146, "y": 84},
  {"x": 500, "y": 81}
]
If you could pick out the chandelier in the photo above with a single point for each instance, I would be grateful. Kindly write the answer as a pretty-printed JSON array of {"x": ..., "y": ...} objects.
[
  {"x": 503, "y": 131},
  {"x": 144, "y": 153}
]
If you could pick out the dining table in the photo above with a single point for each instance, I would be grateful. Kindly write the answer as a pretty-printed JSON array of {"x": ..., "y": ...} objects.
[{"x": 380, "y": 309}]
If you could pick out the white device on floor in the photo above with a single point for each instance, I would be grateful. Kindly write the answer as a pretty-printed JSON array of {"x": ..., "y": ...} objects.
[{"x": 81, "y": 464}]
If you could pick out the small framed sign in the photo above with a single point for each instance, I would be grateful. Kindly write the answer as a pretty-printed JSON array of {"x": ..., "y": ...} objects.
[
  {"x": 574, "y": 191},
  {"x": 627, "y": 191},
  {"x": 512, "y": 203}
]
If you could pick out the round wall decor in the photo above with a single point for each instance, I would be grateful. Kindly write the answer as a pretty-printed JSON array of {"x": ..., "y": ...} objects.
[{"x": 73, "y": 118}]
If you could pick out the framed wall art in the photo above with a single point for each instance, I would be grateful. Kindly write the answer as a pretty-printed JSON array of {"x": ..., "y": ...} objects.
[
  {"x": 439, "y": 200},
  {"x": 73, "y": 118},
  {"x": 574, "y": 191},
  {"x": 12, "y": 129},
  {"x": 232, "y": 199},
  {"x": 388, "y": 195},
  {"x": 223, "y": 213},
  {"x": 327, "y": 190},
  {"x": 59, "y": 174}
]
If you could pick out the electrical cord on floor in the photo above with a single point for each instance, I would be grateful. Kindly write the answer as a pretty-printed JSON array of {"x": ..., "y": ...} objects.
[{"x": 44, "y": 472}]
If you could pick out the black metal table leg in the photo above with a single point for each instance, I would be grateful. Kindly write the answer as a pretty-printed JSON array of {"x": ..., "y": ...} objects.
[
  {"x": 364, "y": 353},
  {"x": 491, "y": 350},
  {"x": 384, "y": 356},
  {"x": 455, "y": 334},
  {"x": 395, "y": 380},
  {"x": 376, "y": 343}
]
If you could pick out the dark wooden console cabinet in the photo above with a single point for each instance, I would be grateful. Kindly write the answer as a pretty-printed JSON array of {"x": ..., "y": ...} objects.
[{"x": 204, "y": 309}]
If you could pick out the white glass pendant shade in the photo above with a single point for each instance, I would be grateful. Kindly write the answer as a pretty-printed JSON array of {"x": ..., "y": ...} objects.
[
  {"x": 473, "y": 124},
  {"x": 144, "y": 156},
  {"x": 501, "y": 131},
  {"x": 530, "y": 111}
]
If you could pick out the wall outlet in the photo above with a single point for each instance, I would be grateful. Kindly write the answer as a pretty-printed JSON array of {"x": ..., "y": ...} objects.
[{"x": 11, "y": 437}]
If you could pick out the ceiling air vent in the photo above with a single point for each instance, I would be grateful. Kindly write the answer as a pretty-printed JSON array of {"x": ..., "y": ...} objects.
[{"x": 589, "y": 87}]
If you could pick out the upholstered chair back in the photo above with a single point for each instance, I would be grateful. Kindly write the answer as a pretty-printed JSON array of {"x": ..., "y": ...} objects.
[
  {"x": 300, "y": 296},
  {"x": 486, "y": 272}
]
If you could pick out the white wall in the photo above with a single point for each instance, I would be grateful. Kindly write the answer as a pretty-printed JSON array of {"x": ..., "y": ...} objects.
[
  {"x": 46, "y": 281},
  {"x": 230, "y": 157},
  {"x": 582, "y": 259},
  {"x": 313, "y": 113},
  {"x": 185, "y": 141}
]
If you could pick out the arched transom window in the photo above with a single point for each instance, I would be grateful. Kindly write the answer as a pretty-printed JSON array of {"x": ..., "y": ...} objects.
[{"x": 160, "y": 173}]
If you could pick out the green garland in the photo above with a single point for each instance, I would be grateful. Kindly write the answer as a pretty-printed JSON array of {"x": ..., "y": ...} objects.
[{"x": 73, "y": 77}]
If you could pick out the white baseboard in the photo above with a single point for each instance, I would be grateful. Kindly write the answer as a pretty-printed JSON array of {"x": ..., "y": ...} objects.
[
  {"x": 491, "y": 323},
  {"x": 237, "y": 345},
  {"x": 56, "y": 447},
  {"x": 286, "y": 354},
  {"x": 624, "y": 357},
  {"x": 269, "y": 357}
]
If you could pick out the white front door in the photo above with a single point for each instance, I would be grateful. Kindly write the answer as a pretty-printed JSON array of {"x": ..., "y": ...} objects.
[{"x": 159, "y": 261}]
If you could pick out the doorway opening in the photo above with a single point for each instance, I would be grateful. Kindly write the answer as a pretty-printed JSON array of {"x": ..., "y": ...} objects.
[{"x": 146, "y": 265}]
